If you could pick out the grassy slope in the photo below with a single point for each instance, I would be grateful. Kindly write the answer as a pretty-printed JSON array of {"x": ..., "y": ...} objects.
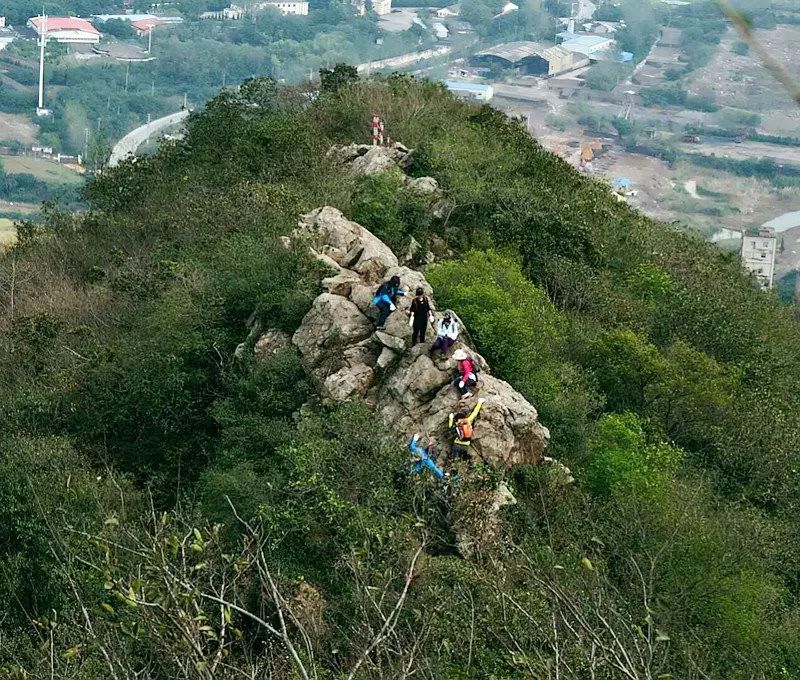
[{"x": 48, "y": 171}]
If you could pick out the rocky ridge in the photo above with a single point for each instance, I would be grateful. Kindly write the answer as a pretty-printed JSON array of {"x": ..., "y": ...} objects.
[{"x": 348, "y": 358}]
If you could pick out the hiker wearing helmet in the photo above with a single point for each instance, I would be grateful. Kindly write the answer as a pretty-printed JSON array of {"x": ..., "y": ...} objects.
[
  {"x": 462, "y": 425},
  {"x": 385, "y": 299},
  {"x": 420, "y": 314},
  {"x": 467, "y": 373},
  {"x": 446, "y": 334},
  {"x": 423, "y": 457}
]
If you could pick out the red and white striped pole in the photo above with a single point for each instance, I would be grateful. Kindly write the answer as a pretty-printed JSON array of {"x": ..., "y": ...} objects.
[{"x": 376, "y": 130}]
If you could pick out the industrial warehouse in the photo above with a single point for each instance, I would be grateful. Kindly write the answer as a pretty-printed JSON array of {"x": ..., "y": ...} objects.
[{"x": 530, "y": 58}]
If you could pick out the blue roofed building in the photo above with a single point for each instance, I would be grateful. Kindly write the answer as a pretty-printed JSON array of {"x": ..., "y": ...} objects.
[{"x": 476, "y": 91}]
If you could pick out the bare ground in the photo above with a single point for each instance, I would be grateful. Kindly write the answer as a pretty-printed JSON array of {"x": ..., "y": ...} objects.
[{"x": 16, "y": 127}]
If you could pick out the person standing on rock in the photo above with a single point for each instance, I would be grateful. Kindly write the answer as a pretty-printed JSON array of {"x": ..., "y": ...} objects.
[
  {"x": 423, "y": 457},
  {"x": 385, "y": 299},
  {"x": 446, "y": 334},
  {"x": 420, "y": 313},
  {"x": 467, "y": 373},
  {"x": 463, "y": 427}
]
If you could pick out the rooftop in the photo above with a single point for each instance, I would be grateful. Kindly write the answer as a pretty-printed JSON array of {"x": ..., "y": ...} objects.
[
  {"x": 467, "y": 87},
  {"x": 122, "y": 17},
  {"x": 578, "y": 39},
  {"x": 516, "y": 51},
  {"x": 147, "y": 24},
  {"x": 64, "y": 24}
]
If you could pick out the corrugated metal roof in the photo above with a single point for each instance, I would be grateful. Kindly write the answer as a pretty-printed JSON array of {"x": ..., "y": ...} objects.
[
  {"x": 516, "y": 51},
  {"x": 583, "y": 40},
  {"x": 467, "y": 87}
]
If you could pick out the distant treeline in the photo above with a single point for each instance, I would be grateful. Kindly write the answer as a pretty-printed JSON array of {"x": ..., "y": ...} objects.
[
  {"x": 749, "y": 134},
  {"x": 26, "y": 188},
  {"x": 780, "y": 174}
]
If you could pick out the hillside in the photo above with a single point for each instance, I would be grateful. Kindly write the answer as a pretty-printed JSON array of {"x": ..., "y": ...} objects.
[{"x": 172, "y": 507}]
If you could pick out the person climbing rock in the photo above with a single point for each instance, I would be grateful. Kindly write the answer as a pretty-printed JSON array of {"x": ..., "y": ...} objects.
[
  {"x": 467, "y": 373},
  {"x": 463, "y": 427},
  {"x": 386, "y": 298},
  {"x": 446, "y": 334},
  {"x": 423, "y": 457},
  {"x": 420, "y": 313}
]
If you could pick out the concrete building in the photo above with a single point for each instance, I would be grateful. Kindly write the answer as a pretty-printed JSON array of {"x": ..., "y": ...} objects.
[
  {"x": 476, "y": 91},
  {"x": 287, "y": 7},
  {"x": 585, "y": 44},
  {"x": 231, "y": 13},
  {"x": 530, "y": 58},
  {"x": 448, "y": 12},
  {"x": 440, "y": 31},
  {"x": 66, "y": 30},
  {"x": 7, "y": 36},
  {"x": 381, "y": 7},
  {"x": 758, "y": 255}
]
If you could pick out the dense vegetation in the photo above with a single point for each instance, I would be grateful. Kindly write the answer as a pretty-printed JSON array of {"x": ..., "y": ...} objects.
[{"x": 170, "y": 510}]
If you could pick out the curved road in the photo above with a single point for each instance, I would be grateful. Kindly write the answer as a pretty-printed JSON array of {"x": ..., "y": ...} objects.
[{"x": 135, "y": 138}]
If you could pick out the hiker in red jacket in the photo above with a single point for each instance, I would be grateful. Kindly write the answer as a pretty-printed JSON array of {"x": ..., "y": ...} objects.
[{"x": 467, "y": 373}]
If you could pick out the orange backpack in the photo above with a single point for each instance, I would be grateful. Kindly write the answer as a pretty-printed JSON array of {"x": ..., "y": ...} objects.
[{"x": 464, "y": 429}]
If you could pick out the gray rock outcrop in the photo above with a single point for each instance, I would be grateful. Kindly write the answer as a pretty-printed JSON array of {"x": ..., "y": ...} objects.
[{"x": 410, "y": 391}]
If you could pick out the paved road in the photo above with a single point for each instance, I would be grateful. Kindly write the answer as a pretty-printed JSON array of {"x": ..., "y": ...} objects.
[{"x": 135, "y": 138}]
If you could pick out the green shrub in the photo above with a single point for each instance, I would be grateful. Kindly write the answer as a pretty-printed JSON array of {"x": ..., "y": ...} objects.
[
  {"x": 393, "y": 212},
  {"x": 740, "y": 47}
]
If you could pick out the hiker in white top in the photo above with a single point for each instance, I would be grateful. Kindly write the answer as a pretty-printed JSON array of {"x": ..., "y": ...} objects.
[{"x": 446, "y": 334}]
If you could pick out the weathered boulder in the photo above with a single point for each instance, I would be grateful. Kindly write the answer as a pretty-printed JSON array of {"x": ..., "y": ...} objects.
[
  {"x": 348, "y": 382},
  {"x": 271, "y": 343},
  {"x": 350, "y": 246},
  {"x": 424, "y": 185},
  {"x": 332, "y": 324}
]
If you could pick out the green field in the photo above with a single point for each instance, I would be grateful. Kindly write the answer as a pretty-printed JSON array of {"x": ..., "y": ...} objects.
[{"x": 45, "y": 170}]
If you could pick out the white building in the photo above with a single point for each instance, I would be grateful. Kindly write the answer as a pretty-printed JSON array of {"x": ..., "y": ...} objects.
[
  {"x": 440, "y": 31},
  {"x": 293, "y": 7},
  {"x": 231, "y": 13},
  {"x": 66, "y": 29},
  {"x": 758, "y": 255},
  {"x": 585, "y": 44},
  {"x": 477, "y": 91},
  {"x": 7, "y": 36},
  {"x": 449, "y": 11},
  {"x": 381, "y": 7}
]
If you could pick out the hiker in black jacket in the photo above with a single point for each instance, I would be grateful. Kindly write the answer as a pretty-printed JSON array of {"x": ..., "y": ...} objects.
[{"x": 420, "y": 313}]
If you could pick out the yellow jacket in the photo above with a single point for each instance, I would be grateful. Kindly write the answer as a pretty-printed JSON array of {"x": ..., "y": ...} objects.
[{"x": 471, "y": 417}]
